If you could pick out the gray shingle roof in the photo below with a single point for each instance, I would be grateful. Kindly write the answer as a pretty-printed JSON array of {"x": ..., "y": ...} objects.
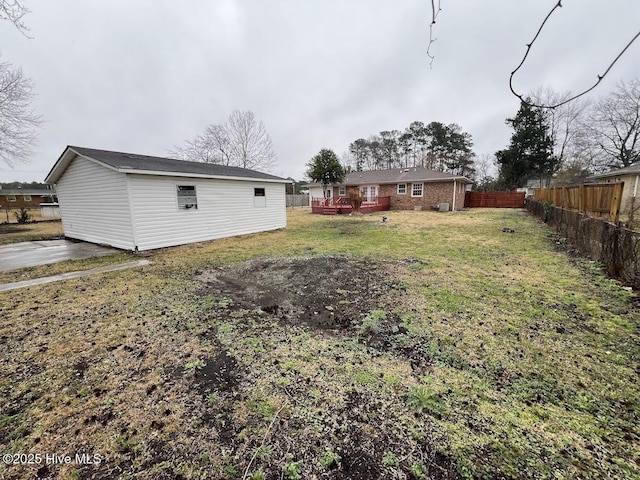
[
  {"x": 401, "y": 175},
  {"x": 161, "y": 165},
  {"x": 28, "y": 191},
  {"x": 633, "y": 169}
]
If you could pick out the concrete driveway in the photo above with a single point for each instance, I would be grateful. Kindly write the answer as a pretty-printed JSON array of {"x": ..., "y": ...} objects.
[{"x": 30, "y": 254}]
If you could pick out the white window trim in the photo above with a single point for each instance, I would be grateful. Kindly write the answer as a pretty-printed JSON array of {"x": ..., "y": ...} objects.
[
  {"x": 260, "y": 201},
  {"x": 195, "y": 194},
  {"x": 342, "y": 191},
  {"x": 26, "y": 198},
  {"x": 421, "y": 190},
  {"x": 12, "y": 198},
  {"x": 398, "y": 189}
]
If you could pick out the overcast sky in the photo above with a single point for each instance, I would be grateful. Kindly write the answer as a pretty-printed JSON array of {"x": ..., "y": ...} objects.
[{"x": 143, "y": 76}]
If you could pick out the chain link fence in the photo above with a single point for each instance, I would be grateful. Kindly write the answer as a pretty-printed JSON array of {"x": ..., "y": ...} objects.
[{"x": 616, "y": 247}]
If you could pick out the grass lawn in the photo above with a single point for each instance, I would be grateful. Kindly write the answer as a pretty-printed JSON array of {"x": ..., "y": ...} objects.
[
  {"x": 430, "y": 346},
  {"x": 14, "y": 232}
]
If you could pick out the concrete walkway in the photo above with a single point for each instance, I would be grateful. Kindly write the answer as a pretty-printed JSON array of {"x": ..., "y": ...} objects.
[
  {"x": 31, "y": 254},
  {"x": 65, "y": 276}
]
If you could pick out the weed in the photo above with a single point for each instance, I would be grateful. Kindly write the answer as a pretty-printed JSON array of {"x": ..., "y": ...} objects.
[
  {"x": 390, "y": 460},
  {"x": 293, "y": 470},
  {"x": 419, "y": 470},
  {"x": 264, "y": 453},
  {"x": 193, "y": 367},
  {"x": 424, "y": 400},
  {"x": 230, "y": 471},
  {"x": 371, "y": 323},
  {"x": 329, "y": 459},
  {"x": 262, "y": 407},
  {"x": 258, "y": 476}
]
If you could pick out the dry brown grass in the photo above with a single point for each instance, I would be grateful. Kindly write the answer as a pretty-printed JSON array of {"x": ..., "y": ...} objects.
[{"x": 14, "y": 232}]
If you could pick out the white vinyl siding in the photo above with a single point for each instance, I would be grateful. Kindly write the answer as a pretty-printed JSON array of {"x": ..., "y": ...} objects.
[
  {"x": 225, "y": 208},
  {"x": 94, "y": 204}
]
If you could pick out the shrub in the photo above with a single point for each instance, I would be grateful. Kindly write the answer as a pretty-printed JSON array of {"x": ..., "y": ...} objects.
[{"x": 22, "y": 216}]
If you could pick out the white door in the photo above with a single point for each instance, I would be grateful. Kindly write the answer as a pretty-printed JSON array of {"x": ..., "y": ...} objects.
[{"x": 369, "y": 193}]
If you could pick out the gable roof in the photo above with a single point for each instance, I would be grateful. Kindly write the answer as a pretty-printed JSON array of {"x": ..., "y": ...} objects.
[
  {"x": 633, "y": 169},
  {"x": 146, "y": 165}
]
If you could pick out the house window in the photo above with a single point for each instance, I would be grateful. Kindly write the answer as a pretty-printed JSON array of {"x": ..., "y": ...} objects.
[
  {"x": 187, "y": 197},
  {"x": 27, "y": 198},
  {"x": 12, "y": 198},
  {"x": 416, "y": 189},
  {"x": 402, "y": 188},
  {"x": 342, "y": 191},
  {"x": 259, "y": 197}
]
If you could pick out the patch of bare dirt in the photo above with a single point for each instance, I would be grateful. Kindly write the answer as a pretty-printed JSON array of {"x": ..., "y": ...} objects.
[{"x": 319, "y": 292}]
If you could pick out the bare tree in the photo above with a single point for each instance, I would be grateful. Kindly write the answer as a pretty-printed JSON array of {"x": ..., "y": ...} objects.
[
  {"x": 564, "y": 121},
  {"x": 615, "y": 125},
  {"x": 212, "y": 146},
  {"x": 250, "y": 143},
  {"x": 483, "y": 164},
  {"x": 18, "y": 122},
  {"x": 241, "y": 142},
  {"x": 14, "y": 11}
]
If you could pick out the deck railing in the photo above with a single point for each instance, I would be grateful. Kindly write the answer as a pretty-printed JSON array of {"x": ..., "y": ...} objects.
[{"x": 343, "y": 204}]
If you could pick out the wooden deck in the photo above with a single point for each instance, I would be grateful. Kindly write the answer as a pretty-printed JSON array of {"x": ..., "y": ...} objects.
[{"x": 342, "y": 205}]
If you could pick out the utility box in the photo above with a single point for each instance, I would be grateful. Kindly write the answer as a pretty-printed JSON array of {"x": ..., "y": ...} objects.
[{"x": 443, "y": 207}]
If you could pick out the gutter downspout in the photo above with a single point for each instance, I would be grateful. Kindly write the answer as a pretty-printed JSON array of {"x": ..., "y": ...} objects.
[
  {"x": 635, "y": 188},
  {"x": 453, "y": 208}
]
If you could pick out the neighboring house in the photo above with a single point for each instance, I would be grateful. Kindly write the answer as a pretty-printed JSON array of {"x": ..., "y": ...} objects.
[
  {"x": 406, "y": 188},
  {"x": 137, "y": 202},
  {"x": 532, "y": 184},
  {"x": 631, "y": 177},
  {"x": 26, "y": 197}
]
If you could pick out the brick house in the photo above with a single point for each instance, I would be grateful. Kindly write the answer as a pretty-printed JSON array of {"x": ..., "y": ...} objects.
[
  {"x": 26, "y": 197},
  {"x": 414, "y": 188}
]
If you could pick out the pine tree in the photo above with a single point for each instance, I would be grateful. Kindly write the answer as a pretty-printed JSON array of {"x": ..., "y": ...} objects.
[
  {"x": 325, "y": 168},
  {"x": 530, "y": 150}
]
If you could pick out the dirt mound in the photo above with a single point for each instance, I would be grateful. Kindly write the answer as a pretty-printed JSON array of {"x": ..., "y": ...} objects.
[{"x": 320, "y": 292}]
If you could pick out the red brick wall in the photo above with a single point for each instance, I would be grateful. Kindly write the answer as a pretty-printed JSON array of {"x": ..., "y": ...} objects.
[
  {"x": 433, "y": 193},
  {"x": 20, "y": 202}
]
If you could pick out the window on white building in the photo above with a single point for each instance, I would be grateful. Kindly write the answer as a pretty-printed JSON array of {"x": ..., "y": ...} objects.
[{"x": 187, "y": 197}]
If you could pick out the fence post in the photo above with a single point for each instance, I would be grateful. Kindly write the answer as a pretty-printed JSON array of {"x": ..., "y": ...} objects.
[{"x": 614, "y": 213}]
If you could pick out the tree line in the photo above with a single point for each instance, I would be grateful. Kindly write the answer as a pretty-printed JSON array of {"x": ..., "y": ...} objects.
[
  {"x": 435, "y": 146},
  {"x": 571, "y": 142}
]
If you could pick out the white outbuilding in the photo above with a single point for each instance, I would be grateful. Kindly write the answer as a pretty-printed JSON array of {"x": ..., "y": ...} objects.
[{"x": 136, "y": 202}]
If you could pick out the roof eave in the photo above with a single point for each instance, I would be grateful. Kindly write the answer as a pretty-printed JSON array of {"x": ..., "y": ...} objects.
[{"x": 200, "y": 175}]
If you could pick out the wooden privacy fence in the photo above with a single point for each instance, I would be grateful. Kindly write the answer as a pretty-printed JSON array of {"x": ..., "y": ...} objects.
[
  {"x": 494, "y": 199},
  {"x": 298, "y": 200},
  {"x": 597, "y": 200}
]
